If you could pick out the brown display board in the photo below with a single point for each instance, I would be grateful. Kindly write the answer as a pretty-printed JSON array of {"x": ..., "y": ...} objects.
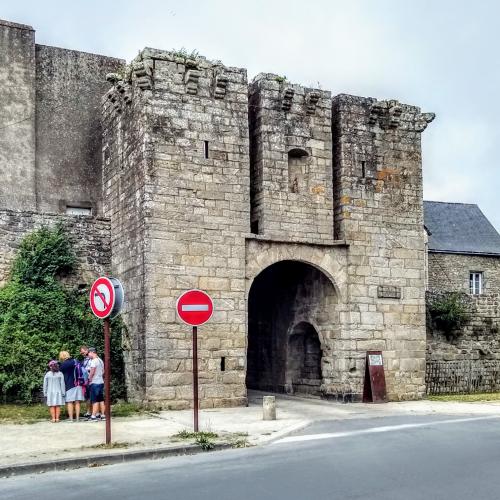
[{"x": 374, "y": 390}]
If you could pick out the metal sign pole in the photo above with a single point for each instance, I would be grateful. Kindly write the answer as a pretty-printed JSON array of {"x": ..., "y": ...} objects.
[
  {"x": 107, "y": 378},
  {"x": 195, "y": 377}
]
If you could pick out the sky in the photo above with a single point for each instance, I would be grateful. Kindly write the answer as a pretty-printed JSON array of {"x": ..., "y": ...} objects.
[{"x": 441, "y": 55}]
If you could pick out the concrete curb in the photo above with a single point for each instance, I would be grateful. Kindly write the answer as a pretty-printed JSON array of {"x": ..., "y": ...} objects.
[
  {"x": 284, "y": 432},
  {"x": 104, "y": 459}
]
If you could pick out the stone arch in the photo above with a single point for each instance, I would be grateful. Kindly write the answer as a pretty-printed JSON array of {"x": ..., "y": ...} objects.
[
  {"x": 284, "y": 298},
  {"x": 330, "y": 260}
]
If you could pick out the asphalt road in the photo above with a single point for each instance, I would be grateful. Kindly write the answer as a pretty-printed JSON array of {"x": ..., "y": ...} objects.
[{"x": 400, "y": 458}]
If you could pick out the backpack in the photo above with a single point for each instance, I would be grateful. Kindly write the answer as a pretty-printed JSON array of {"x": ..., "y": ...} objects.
[{"x": 80, "y": 374}]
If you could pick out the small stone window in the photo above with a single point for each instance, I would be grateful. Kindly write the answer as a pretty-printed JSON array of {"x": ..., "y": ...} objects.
[
  {"x": 298, "y": 170},
  {"x": 70, "y": 210},
  {"x": 476, "y": 282}
]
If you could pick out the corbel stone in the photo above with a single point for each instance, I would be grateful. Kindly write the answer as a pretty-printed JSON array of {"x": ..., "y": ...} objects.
[
  {"x": 127, "y": 97},
  {"x": 422, "y": 120},
  {"x": 191, "y": 79},
  {"x": 394, "y": 114},
  {"x": 143, "y": 71},
  {"x": 220, "y": 86},
  {"x": 124, "y": 90},
  {"x": 112, "y": 78},
  {"x": 312, "y": 99},
  {"x": 115, "y": 99},
  {"x": 376, "y": 112},
  {"x": 287, "y": 98}
]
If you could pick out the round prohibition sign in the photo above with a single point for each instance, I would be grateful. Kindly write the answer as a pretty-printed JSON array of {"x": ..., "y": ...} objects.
[
  {"x": 102, "y": 297},
  {"x": 195, "y": 307}
]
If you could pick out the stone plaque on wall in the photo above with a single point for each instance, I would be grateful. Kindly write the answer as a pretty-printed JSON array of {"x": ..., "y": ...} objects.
[{"x": 388, "y": 292}]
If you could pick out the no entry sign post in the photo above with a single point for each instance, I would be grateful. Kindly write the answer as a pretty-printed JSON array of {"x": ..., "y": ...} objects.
[
  {"x": 106, "y": 300},
  {"x": 195, "y": 308}
]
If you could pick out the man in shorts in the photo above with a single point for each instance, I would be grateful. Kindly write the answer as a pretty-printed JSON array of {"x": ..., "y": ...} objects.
[{"x": 96, "y": 386}]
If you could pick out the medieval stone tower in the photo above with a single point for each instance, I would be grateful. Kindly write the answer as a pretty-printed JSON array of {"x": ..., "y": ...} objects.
[{"x": 300, "y": 214}]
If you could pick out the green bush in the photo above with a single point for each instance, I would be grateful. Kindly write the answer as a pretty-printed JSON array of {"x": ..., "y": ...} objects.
[
  {"x": 40, "y": 317},
  {"x": 449, "y": 311}
]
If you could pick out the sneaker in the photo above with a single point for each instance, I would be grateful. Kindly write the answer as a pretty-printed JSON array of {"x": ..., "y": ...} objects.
[
  {"x": 93, "y": 419},
  {"x": 87, "y": 415},
  {"x": 102, "y": 417}
]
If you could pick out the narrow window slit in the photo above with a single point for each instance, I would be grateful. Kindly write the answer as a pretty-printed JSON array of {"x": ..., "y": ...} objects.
[
  {"x": 205, "y": 149},
  {"x": 223, "y": 364},
  {"x": 363, "y": 169}
]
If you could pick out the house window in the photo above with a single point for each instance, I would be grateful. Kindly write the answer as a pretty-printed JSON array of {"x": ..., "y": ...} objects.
[{"x": 476, "y": 283}]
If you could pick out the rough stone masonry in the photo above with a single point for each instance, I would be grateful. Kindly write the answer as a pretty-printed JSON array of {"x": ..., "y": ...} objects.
[{"x": 299, "y": 213}]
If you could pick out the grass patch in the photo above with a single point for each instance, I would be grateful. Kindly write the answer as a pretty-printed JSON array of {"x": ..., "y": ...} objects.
[
  {"x": 125, "y": 409},
  {"x": 467, "y": 398},
  {"x": 185, "y": 434},
  {"x": 203, "y": 439},
  {"x": 31, "y": 413},
  {"x": 240, "y": 443},
  {"x": 23, "y": 414},
  {"x": 110, "y": 446}
]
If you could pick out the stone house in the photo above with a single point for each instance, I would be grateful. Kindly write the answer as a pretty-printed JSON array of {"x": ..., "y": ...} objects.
[
  {"x": 299, "y": 212},
  {"x": 464, "y": 256}
]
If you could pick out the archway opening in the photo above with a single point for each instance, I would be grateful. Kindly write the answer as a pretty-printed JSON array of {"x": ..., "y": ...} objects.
[
  {"x": 303, "y": 371},
  {"x": 286, "y": 353}
]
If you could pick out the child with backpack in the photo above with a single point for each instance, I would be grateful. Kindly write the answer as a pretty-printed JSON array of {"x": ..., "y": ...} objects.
[{"x": 74, "y": 379}]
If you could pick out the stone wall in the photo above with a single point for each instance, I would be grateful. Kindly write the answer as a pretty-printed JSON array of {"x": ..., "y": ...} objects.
[
  {"x": 17, "y": 116},
  {"x": 192, "y": 190},
  {"x": 478, "y": 339},
  {"x": 50, "y": 134},
  {"x": 378, "y": 211},
  {"x": 69, "y": 87},
  {"x": 451, "y": 272},
  {"x": 89, "y": 235},
  {"x": 126, "y": 163},
  {"x": 291, "y": 151}
]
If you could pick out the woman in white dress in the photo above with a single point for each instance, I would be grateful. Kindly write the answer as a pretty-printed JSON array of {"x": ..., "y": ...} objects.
[{"x": 54, "y": 390}]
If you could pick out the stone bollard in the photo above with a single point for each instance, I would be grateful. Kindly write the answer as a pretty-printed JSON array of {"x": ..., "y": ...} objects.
[{"x": 269, "y": 408}]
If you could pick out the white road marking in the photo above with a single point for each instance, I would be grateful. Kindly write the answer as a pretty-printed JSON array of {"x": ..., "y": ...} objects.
[
  {"x": 194, "y": 307},
  {"x": 374, "y": 430}
]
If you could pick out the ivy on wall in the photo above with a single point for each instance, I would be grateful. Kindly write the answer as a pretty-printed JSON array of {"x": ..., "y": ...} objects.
[{"x": 39, "y": 317}]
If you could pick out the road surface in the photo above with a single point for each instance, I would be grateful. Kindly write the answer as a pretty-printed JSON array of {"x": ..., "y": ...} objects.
[{"x": 400, "y": 458}]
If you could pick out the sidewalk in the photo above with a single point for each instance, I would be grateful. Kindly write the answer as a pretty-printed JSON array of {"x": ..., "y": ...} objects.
[{"x": 45, "y": 442}]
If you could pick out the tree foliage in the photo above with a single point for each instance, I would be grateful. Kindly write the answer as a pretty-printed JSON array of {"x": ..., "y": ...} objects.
[{"x": 40, "y": 317}]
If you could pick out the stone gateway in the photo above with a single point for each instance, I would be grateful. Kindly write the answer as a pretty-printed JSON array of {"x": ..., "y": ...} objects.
[{"x": 298, "y": 212}]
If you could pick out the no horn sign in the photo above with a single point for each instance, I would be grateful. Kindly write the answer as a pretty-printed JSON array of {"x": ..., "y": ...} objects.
[
  {"x": 195, "y": 307},
  {"x": 106, "y": 297}
]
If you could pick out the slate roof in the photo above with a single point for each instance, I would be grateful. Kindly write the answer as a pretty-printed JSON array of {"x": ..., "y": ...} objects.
[{"x": 459, "y": 228}]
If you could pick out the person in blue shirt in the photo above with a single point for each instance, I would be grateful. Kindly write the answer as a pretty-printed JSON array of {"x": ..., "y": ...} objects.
[{"x": 74, "y": 391}]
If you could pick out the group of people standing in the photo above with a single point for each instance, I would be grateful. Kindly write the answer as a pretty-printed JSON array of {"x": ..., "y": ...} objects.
[{"x": 70, "y": 382}]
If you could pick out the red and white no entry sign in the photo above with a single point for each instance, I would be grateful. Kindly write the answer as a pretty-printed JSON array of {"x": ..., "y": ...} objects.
[
  {"x": 195, "y": 307},
  {"x": 102, "y": 297}
]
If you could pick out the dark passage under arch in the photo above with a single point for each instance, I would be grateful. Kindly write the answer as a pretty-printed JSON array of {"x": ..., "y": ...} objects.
[{"x": 284, "y": 349}]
